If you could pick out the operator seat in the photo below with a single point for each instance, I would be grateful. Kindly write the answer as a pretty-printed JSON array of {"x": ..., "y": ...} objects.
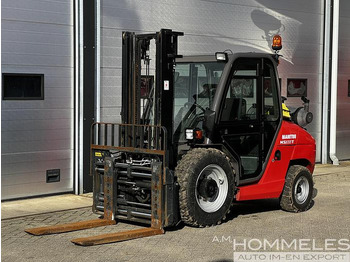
[{"x": 234, "y": 109}]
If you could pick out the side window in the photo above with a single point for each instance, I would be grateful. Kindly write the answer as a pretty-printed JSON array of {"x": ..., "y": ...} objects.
[
  {"x": 271, "y": 104},
  {"x": 241, "y": 98},
  {"x": 182, "y": 81}
]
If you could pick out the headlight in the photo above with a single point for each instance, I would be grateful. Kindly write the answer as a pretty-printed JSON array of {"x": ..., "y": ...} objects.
[
  {"x": 194, "y": 134},
  {"x": 189, "y": 134},
  {"x": 221, "y": 56}
]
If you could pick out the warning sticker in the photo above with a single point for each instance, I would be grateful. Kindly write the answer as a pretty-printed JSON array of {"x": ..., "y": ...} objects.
[
  {"x": 99, "y": 154},
  {"x": 166, "y": 84}
]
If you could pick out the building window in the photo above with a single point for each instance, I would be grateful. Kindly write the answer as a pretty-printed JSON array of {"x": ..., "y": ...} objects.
[
  {"x": 296, "y": 87},
  {"x": 22, "y": 86}
]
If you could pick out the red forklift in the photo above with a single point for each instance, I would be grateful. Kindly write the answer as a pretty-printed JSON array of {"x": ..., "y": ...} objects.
[{"x": 211, "y": 130}]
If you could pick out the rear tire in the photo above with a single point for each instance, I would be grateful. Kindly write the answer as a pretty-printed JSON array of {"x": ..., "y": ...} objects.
[
  {"x": 298, "y": 190},
  {"x": 206, "y": 180}
]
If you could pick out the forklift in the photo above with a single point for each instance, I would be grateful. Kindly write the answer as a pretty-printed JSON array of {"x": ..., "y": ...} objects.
[{"x": 210, "y": 131}]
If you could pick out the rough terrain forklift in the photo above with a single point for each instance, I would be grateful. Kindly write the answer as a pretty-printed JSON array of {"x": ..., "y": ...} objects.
[{"x": 198, "y": 135}]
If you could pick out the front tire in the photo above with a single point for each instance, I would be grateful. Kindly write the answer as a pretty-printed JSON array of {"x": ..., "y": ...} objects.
[
  {"x": 298, "y": 190},
  {"x": 206, "y": 181}
]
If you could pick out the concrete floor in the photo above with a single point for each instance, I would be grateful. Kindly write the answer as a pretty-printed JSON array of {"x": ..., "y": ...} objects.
[
  {"x": 19, "y": 208},
  {"x": 328, "y": 218}
]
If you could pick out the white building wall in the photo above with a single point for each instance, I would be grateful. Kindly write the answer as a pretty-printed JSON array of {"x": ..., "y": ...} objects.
[
  {"x": 210, "y": 26},
  {"x": 37, "y": 135}
]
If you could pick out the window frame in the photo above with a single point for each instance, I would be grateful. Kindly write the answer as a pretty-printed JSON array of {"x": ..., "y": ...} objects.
[
  {"x": 275, "y": 100},
  {"x": 23, "y": 98}
]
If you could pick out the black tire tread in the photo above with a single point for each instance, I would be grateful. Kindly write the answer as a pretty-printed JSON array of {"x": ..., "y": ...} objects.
[
  {"x": 286, "y": 199},
  {"x": 183, "y": 171}
]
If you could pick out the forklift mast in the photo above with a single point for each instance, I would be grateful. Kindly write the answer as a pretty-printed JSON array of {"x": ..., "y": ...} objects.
[{"x": 135, "y": 52}]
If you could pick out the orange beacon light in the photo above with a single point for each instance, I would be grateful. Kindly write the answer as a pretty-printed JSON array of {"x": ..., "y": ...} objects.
[{"x": 277, "y": 43}]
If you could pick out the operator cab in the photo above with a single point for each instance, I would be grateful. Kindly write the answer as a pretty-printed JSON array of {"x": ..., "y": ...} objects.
[{"x": 234, "y": 102}]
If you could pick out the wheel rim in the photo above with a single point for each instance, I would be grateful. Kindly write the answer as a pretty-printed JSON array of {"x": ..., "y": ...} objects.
[
  {"x": 211, "y": 188},
  {"x": 301, "y": 190}
]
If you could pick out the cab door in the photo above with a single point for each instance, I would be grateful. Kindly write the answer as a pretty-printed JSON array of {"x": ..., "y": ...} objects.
[{"x": 249, "y": 114}]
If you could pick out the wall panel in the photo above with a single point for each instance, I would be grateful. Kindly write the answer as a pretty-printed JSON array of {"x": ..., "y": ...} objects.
[{"x": 37, "y": 37}]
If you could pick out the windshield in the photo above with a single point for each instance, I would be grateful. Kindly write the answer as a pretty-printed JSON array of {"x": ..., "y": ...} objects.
[{"x": 194, "y": 91}]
